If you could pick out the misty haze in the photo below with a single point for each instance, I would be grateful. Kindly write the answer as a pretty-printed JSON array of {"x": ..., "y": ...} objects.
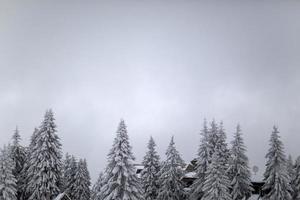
[{"x": 149, "y": 100}]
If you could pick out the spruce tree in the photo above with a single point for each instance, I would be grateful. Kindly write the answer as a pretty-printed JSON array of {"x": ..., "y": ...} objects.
[
  {"x": 18, "y": 155},
  {"x": 171, "y": 186},
  {"x": 45, "y": 162},
  {"x": 296, "y": 181},
  {"x": 217, "y": 140},
  {"x": 216, "y": 184},
  {"x": 290, "y": 166},
  {"x": 96, "y": 189},
  {"x": 8, "y": 183},
  {"x": 69, "y": 176},
  {"x": 212, "y": 138},
  {"x": 291, "y": 172},
  {"x": 239, "y": 168},
  {"x": 121, "y": 181},
  {"x": 149, "y": 174},
  {"x": 66, "y": 165},
  {"x": 221, "y": 145},
  {"x": 26, "y": 174},
  {"x": 82, "y": 182},
  {"x": 202, "y": 164},
  {"x": 277, "y": 181}
]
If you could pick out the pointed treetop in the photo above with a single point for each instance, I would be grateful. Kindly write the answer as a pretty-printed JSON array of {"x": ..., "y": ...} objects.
[
  {"x": 275, "y": 129},
  {"x": 172, "y": 153},
  {"x": 151, "y": 143},
  {"x": 204, "y": 131},
  {"x": 48, "y": 123},
  {"x": 238, "y": 128},
  {"x": 16, "y": 136},
  {"x": 276, "y": 176},
  {"x": 122, "y": 129}
]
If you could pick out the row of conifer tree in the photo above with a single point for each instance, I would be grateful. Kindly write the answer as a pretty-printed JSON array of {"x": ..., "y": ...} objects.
[{"x": 38, "y": 172}]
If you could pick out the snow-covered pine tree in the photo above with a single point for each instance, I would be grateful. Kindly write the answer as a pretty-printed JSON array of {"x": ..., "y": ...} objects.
[
  {"x": 18, "y": 155},
  {"x": 171, "y": 186},
  {"x": 87, "y": 179},
  {"x": 66, "y": 165},
  {"x": 239, "y": 168},
  {"x": 95, "y": 192},
  {"x": 277, "y": 181},
  {"x": 8, "y": 183},
  {"x": 296, "y": 180},
  {"x": 217, "y": 140},
  {"x": 221, "y": 145},
  {"x": 121, "y": 181},
  {"x": 69, "y": 173},
  {"x": 290, "y": 166},
  {"x": 82, "y": 182},
  {"x": 45, "y": 162},
  {"x": 291, "y": 171},
  {"x": 216, "y": 184},
  {"x": 212, "y": 138},
  {"x": 202, "y": 164},
  {"x": 26, "y": 176},
  {"x": 149, "y": 174}
]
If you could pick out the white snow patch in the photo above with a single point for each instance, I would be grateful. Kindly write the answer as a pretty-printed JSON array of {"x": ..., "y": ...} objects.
[
  {"x": 254, "y": 197},
  {"x": 190, "y": 175},
  {"x": 60, "y": 196}
]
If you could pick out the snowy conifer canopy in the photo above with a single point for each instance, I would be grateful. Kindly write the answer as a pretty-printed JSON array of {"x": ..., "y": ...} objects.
[
  {"x": 8, "y": 183},
  {"x": 96, "y": 189},
  {"x": 121, "y": 182},
  {"x": 239, "y": 168},
  {"x": 68, "y": 175},
  {"x": 216, "y": 185},
  {"x": 296, "y": 180},
  {"x": 203, "y": 159},
  {"x": 150, "y": 175},
  {"x": 82, "y": 182},
  {"x": 18, "y": 155},
  {"x": 171, "y": 187},
  {"x": 45, "y": 161},
  {"x": 276, "y": 177}
]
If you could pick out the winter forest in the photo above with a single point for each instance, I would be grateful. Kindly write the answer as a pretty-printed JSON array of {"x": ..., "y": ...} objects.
[{"x": 40, "y": 171}]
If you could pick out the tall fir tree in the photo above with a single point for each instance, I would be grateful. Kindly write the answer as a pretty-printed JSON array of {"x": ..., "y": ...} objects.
[
  {"x": 221, "y": 145},
  {"x": 171, "y": 186},
  {"x": 26, "y": 174},
  {"x": 8, "y": 183},
  {"x": 217, "y": 140},
  {"x": 216, "y": 184},
  {"x": 212, "y": 138},
  {"x": 45, "y": 161},
  {"x": 18, "y": 155},
  {"x": 290, "y": 166},
  {"x": 66, "y": 166},
  {"x": 277, "y": 181},
  {"x": 202, "y": 165},
  {"x": 149, "y": 174},
  {"x": 296, "y": 180},
  {"x": 82, "y": 182},
  {"x": 291, "y": 172},
  {"x": 121, "y": 182},
  {"x": 69, "y": 176},
  {"x": 96, "y": 189},
  {"x": 239, "y": 168}
]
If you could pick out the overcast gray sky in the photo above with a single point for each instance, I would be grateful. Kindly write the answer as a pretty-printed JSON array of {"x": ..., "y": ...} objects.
[{"x": 161, "y": 65}]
